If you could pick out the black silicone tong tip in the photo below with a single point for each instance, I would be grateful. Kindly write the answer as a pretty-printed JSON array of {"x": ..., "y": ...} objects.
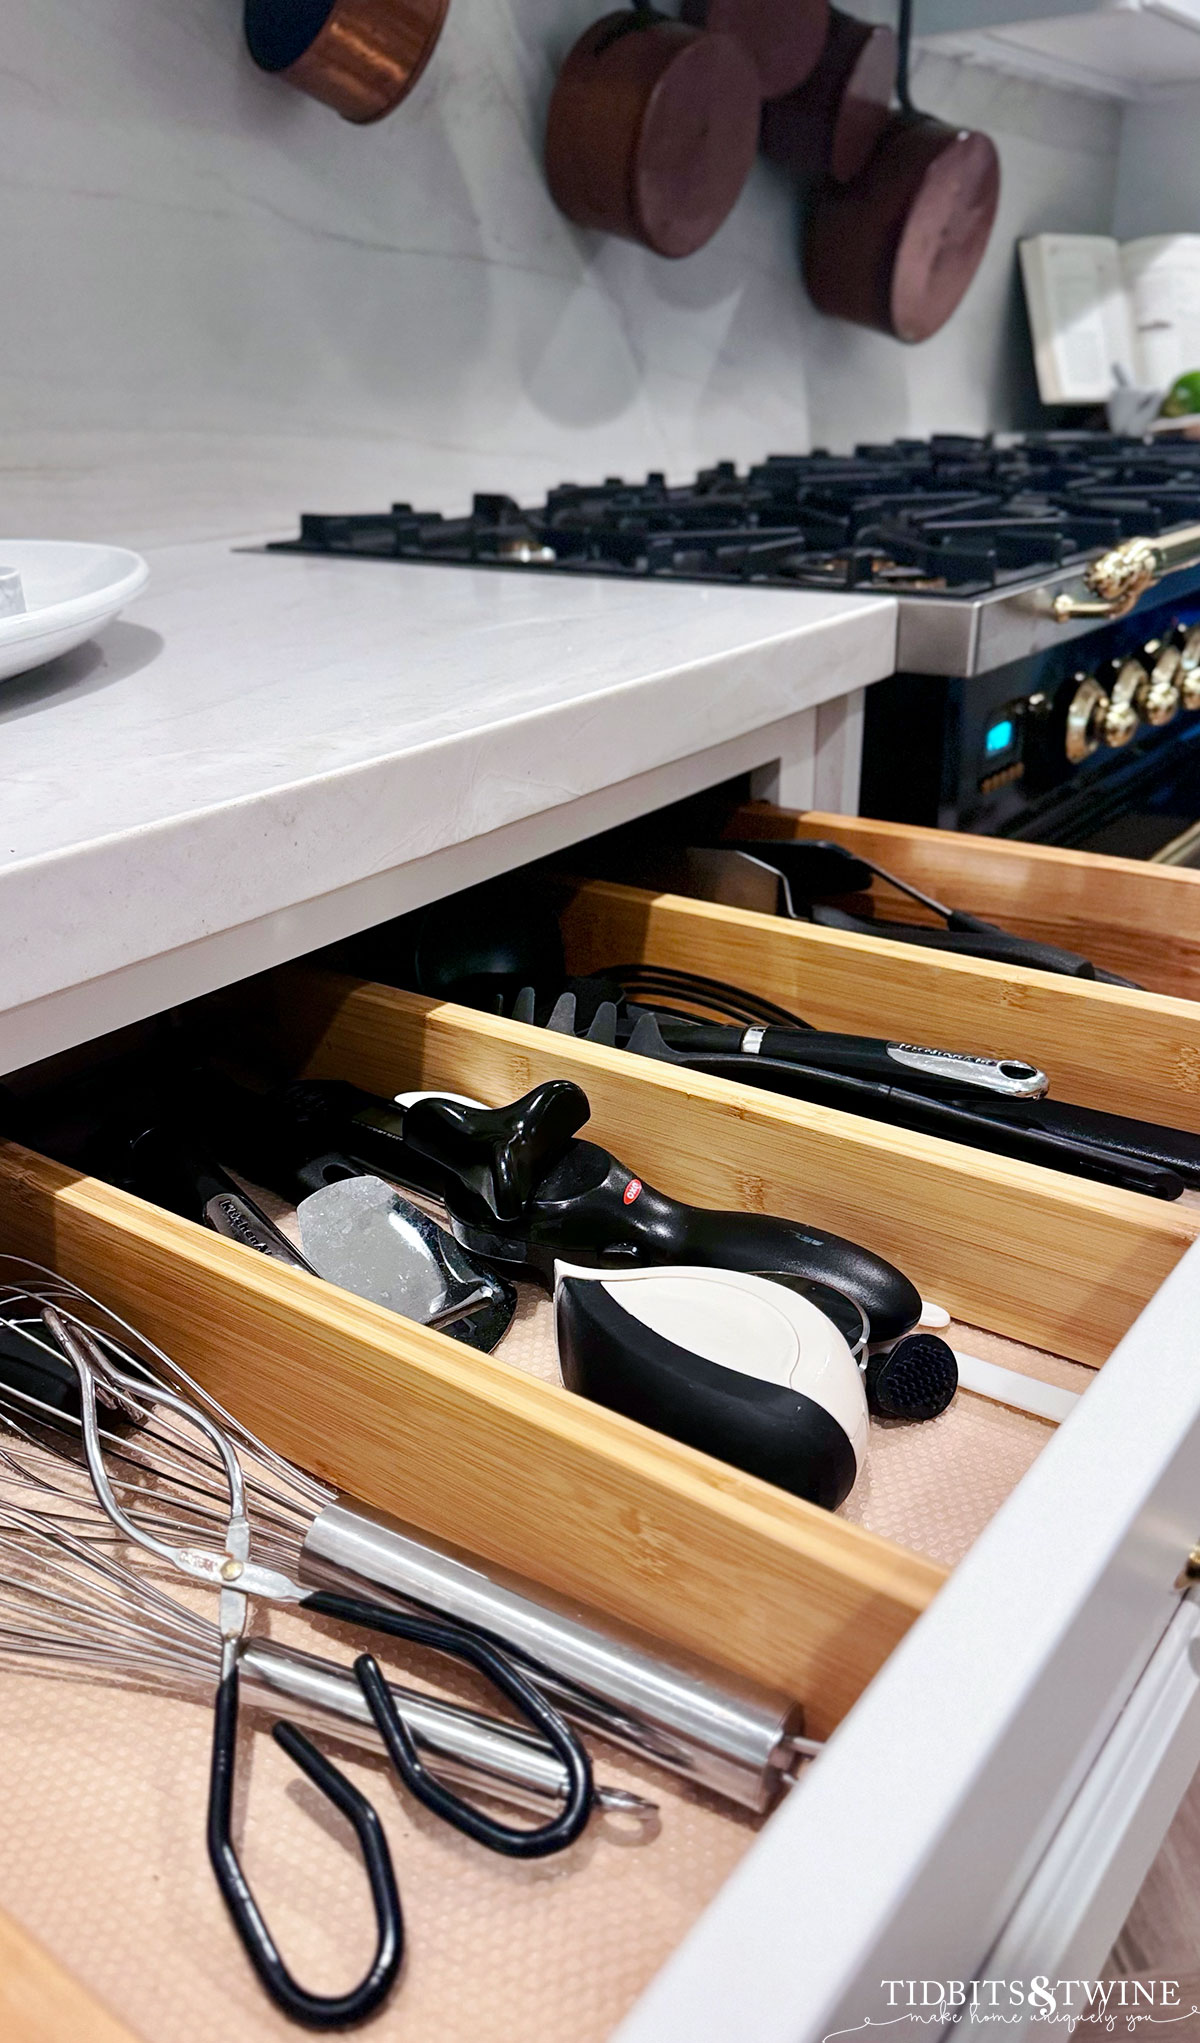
[{"x": 915, "y": 1379}]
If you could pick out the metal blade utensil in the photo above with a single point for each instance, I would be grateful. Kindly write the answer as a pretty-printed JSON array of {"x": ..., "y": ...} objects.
[
  {"x": 361, "y": 1233},
  {"x": 356, "y": 1232}
]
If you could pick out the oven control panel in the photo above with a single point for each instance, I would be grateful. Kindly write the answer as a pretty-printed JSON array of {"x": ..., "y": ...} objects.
[
  {"x": 1150, "y": 686},
  {"x": 1093, "y": 727},
  {"x": 1035, "y": 739}
]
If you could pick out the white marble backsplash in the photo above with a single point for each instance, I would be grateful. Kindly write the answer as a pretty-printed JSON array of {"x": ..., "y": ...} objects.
[{"x": 220, "y": 301}]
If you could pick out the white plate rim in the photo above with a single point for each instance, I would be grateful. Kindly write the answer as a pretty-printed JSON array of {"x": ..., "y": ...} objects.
[{"x": 52, "y": 618}]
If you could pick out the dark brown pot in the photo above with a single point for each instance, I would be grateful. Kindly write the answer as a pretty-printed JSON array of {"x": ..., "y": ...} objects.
[
  {"x": 652, "y": 131},
  {"x": 896, "y": 248},
  {"x": 359, "y": 56},
  {"x": 829, "y": 127},
  {"x": 784, "y": 37}
]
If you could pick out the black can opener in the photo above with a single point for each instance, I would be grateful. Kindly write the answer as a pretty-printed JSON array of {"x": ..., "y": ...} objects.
[{"x": 522, "y": 1192}]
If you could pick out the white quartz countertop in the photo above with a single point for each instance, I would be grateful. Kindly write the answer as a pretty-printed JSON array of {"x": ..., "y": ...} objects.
[{"x": 262, "y": 732}]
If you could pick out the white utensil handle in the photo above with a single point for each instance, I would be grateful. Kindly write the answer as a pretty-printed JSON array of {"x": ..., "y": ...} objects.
[{"x": 1010, "y": 1387}]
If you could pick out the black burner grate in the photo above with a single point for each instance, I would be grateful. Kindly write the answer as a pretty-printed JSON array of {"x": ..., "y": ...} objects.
[{"x": 948, "y": 516}]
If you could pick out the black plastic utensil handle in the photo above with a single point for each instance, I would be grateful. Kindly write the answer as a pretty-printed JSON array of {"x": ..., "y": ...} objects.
[
  {"x": 975, "y": 1121},
  {"x": 496, "y": 1667},
  {"x": 313, "y": 2010},
  {"x": 500, "y": 1154},
  {"x": 999, "y": 947}
]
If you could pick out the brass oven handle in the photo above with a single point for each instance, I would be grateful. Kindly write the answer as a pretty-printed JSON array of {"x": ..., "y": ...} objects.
[{"x": 1124, "y": 574}]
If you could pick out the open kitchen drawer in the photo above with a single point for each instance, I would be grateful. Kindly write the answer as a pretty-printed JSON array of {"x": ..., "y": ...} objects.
[
  {"x": 1131, "y": 916},
  {"x": 970, "y": 1753}
]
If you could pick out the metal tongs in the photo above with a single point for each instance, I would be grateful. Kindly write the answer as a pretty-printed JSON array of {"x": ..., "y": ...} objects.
[{"x": 237, "y": 1577}]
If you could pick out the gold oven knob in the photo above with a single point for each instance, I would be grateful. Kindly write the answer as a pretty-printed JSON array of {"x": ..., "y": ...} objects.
[
  {"x": 1124, "y": 713},
  {"x": 1189, "y": 668},
  {"x": 1158, "y": 697},
  {"x": 1085, "y": 718},
  {"x": 1120, "y": 723}
]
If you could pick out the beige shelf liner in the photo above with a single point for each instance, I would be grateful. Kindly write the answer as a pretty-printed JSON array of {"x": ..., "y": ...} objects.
[
  {"x": 931, "y": 1487},
  {"x": 104, "y": 1857}
]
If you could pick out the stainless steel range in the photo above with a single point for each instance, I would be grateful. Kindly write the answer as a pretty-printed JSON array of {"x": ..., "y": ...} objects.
[{"x": 1017, "y": 562}]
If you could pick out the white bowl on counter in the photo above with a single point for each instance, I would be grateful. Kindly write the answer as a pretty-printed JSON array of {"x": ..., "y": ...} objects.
[{"x": 70, "y": 590}]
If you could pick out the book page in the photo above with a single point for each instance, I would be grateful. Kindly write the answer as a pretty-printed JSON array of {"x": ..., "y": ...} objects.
[
  {"x": 1162, "y": 277},
  {"x": 1079, "y": 316}
]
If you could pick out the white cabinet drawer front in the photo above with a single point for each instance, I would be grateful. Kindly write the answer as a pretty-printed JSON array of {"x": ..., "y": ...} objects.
[{"x": 907, "y": 1849}]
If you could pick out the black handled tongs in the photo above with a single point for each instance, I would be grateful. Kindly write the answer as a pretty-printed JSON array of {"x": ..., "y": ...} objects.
[{"x": 237, "y": 1576}]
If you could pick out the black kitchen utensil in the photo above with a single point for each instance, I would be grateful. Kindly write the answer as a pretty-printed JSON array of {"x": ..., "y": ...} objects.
[
  {"x": 164, "y": 1165},
  {"x": 998, "y": 1104},
  {"x": 356, "y": 1231},
  {"x": 472, "y": 949},
  {"x": 479, "y": 947},
  {"x": 915, "y": 1379},
  {"x": 522, "y": 1192},
  {"x": 815, "y": 873}
]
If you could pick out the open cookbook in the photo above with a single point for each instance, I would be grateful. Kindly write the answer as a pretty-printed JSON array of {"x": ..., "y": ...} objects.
[{"x": 1103, "y": 312}]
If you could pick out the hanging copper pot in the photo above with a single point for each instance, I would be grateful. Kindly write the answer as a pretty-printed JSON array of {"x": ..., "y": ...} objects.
[
  {"x": 361, "y": 57},
  {"x": 784, "y": 37},
  {"x": 831, "y": 124},
  {"x": 652, "y": 131},
  {"x": 896, "y": 248}
]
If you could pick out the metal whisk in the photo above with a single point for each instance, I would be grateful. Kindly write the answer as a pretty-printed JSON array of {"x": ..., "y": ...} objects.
[
  {"x": 218, "y": 1557},
  {"x": 733, "y": 1737},
  {"x": 155, "y": 1455},
  {"x": 69, "y": 1607}
]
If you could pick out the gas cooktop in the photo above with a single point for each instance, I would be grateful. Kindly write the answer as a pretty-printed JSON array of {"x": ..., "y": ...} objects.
[{"x": 974, "y": 535}]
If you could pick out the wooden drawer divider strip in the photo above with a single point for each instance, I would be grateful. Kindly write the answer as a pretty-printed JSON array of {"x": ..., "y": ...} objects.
[
  {"x": 1043, "y": 1257},
  {"x": 512, "y": 1468},
  {"x": 1127, "y": 1053},
  {"x": 42, "y": 2002}
]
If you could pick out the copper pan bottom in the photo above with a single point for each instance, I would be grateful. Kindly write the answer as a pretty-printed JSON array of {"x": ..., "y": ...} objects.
[
  {"x": 361, "y": 57},
  {"x": 831, "y": 124},
  {"x": 652, "y": 132},
  {"x": 784, "y": 38},
  {"x": 897, "y": 248}
]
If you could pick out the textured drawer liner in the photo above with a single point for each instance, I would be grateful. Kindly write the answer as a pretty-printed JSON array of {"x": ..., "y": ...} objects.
[{"x": 104, "y": 1857}]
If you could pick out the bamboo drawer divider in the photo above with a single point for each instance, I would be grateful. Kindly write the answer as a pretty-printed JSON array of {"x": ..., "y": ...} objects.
[
  {"x": 475, "y": 1451},
  {"x": 1130, "y": 916},
  {"x": 1128, "y": 1053},
  {"x": 1043, "y": 1257}
]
